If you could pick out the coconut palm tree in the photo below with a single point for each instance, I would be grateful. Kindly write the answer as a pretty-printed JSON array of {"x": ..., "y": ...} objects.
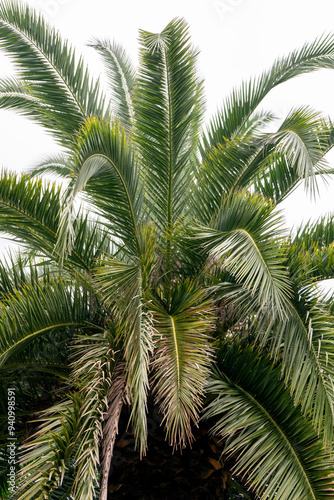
[{"x": 173, "y": 281}]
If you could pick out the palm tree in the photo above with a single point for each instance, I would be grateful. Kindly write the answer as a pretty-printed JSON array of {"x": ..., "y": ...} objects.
[{"x": 174, "y": 283}]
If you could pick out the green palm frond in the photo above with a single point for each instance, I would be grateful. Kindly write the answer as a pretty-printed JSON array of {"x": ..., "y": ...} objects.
[
  {"x": 168, "y": 112},
  {"x": 47, "y": 459},
  {"x": 50, "y": 305},
  {"x": 123, "y": 288},
  {"x": 275, "y": 450},
  {"x": 306, "y": 343},
  {"x": 303, "y": 139},
  {"x": 30, "y": 213},
  {"x": 16, "y": 95},
  {"x": 105, "y": 170},
  {"x": 246, "y": 237},
  {"x": 272, "y": 163},
  {"x": 310, "y": 253},
  {"x": 220, "y": 171},
  {"x": 277, "y": 179},
  {"x": 242, "y": 102},
  {"x": 181, "y": 361},
  {"x": 319, "y": 232},
  {"x": 48, "y": 65},
  {"x": 121, "y": 76},
  {"x": 58, "y": 164}
]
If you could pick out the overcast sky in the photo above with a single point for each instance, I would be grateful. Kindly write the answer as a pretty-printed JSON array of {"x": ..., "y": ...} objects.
[{"x": 237, "y": 39}]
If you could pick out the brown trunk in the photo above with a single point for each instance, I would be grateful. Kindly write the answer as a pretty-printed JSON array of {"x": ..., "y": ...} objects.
[{"x": 110, "y": 430}]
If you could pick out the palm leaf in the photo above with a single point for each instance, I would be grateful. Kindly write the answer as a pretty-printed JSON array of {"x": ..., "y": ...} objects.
[
  {"x": 246, "y": 237},
  {"x": 105, "y": 169},
  {"x": 121, "y": 75},
  {"x": 93, "y": 367},
  {"x": 275, "y": 449},
  {"x": 305, "y": 341},
  {"x": 181, "y": 361},
  {"x": 168, "y": 111},
  {"x": 58, "y": 164},
  {"x": 242, "y": 102},
  {"x": 36, "y": 309},
  {"x": 47, "y": 460},
  {"x": 124, "y": 287},
  {"x": 49, "y": 67}
]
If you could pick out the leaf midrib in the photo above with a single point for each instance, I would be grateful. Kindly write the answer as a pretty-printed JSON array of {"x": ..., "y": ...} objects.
[{"x": 281, "y": 432}]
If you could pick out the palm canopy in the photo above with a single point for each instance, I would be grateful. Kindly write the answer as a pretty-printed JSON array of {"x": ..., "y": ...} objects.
[{"x": 175, "y": 279}]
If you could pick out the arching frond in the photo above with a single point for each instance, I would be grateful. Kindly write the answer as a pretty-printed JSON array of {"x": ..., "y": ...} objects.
[
  {"x": 48, "y": 65},
  {"x": 243, "y": 101},
  {"x": 59, "y": 164},
  {"x": 246, "y": 237},
  {"x": 37, "y": 309},
  {"x": 105, "y": 170},
  {"x": 275, "y": 450}
]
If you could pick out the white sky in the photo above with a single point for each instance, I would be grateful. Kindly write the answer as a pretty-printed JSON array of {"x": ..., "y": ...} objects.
[{"x": 237, "y": 39}]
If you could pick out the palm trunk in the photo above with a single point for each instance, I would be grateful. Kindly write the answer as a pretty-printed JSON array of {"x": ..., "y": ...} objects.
[{"x": 110, "y": 430}]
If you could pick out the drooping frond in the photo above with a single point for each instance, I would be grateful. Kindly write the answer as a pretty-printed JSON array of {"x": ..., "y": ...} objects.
[
  {"x": 124, "y": 287},
  {"x": 246, "y": 238},
  {"x": 304, "y": 342},
  {"x": 30, "y": 214},
  {"x": 181, "y": 361},
  {"x": 58, "y": 164},
  {"x": 16, "y": 95},
  {"x": 271, "y": 163},
  {"x": 121, "y": 76},
  {"x": 275, "y": 450},
  {"x": 93, "y": 368},
  {"x": 303, "y": 139}
]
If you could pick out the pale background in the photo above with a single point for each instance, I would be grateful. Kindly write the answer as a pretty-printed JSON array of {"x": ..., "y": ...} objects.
[{"x": 237, "y": 39}]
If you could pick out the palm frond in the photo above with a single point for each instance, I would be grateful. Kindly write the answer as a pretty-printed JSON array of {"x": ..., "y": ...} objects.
[
  {"x": 304, "y": 342},
  {"x": 168, "y": 112},
  {"x": 246, "y": 237},
  {"x": 47, "y": 460},
  {"x": 242, "y": 102},
  {"x": 105, "y": 170},
  {"x": 181, "y": 361},
  {"x": 303, "y": 139},
  {"x": 50, "y": 305},
  {"x": 310, "y": 253},
  {"x": 121, "y": 76},
  {"x": 221, "y": 171},
  {"x": 49, "y": 66},
  {"x": 275, "y": 449},
  {"x": 58, "y": 164},
  {"x": 93, "y": 367},
  {"x": 16, "y": 95},
  {"x": 30, "y": 214},
  {"x": 123, "y": 286}
]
